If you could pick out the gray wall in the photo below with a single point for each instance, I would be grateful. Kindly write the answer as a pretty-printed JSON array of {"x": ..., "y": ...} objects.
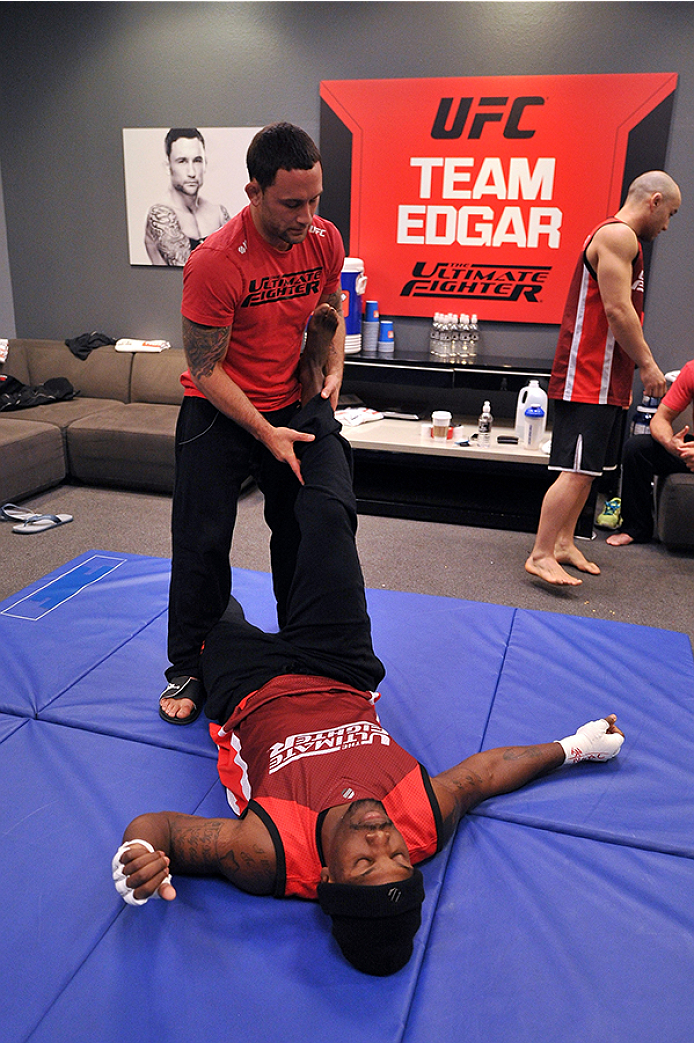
[
  {"x": 7, "y": 323},
  {"x": 72, "y": 75}
]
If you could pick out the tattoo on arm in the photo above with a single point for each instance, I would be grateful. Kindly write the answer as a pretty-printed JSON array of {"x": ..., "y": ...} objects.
[
  {"x": 194, "y": 847},
  {"x": 247, "y": 867},
  {"x": 335, "y": 301},
  {"x": 213, "y": 847},
  {"x": 519, "y": 753},
  {"x": 162, "y": 229},
  {"x": 205, "y": 346}
]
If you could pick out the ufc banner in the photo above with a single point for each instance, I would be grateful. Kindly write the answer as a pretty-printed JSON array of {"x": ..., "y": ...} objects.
[{"x": 475, "y": 195}]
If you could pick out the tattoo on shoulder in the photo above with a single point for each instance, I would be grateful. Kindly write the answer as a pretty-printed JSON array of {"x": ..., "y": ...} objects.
[
  {"x": 163, "y": 229},
  {"x": 469, "y": 781},
  {"x": 205, "y": 346},
  {"x": 248, "y": 865}
]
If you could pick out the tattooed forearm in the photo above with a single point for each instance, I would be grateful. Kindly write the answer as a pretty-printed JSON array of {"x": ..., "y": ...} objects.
[
  {"x": 205, "y": 346},
  {"x": 238, "y": 849},
  {"x": 335, "y": 301},
  {"x": 194, "y": 846},
  {"x": 519, "y": 753}
]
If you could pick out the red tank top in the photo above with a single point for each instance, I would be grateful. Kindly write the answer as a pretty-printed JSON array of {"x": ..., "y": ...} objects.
[
  {"x": 301, "y": 745},
  {"x": 589, "y": 364}
]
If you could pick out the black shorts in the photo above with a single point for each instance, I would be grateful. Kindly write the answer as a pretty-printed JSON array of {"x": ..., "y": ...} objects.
[{"x": 586, "y": 438}]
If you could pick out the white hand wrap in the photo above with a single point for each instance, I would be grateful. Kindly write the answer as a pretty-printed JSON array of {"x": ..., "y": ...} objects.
[
  {"x": 120, "y": 878},
  {"x": 591, "y": 743}
]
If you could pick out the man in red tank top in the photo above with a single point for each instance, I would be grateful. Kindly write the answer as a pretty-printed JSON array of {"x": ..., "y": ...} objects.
[{"x": 600, "y": 341}]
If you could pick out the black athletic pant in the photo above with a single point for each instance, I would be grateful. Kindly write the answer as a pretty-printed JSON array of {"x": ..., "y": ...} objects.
[
  {"x": 328, "y": 630},
  {"x": 642, "y": 458},
  {"x": 214, "y": 457}
]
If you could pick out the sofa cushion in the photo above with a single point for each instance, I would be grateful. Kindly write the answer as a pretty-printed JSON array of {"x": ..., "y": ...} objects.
[
  {"x": 17, "y": 364},
  {"x": 62, "y": 414},
  {"x": 156, "y": 376},
  {"x": 127, "y": 445},
  {"x": 105, "y": 373},
  {"x": 33, "y": 458}
]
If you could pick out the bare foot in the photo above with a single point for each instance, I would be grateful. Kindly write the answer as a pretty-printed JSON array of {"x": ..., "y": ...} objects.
[
  {"x": 619, "y": 539},
  {"x": 549, "y": 570},
  {"x": 314, "y": 358},
  {"x": 573, "y": 556},
  {"x": 181, "y": 708}
]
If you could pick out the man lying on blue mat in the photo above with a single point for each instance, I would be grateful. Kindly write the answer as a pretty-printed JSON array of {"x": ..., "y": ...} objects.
[{"x": 330, "y": 806}]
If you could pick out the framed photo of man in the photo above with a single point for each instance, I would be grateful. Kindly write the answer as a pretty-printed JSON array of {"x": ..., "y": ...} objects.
[{"x": 181, "y": 184}]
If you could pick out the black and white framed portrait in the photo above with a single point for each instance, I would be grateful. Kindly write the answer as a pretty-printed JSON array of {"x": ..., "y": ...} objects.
[{"x": 181, "y": 184}]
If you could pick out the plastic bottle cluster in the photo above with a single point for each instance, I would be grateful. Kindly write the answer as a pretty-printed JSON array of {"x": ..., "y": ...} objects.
[{"x": 454, "y": 337}]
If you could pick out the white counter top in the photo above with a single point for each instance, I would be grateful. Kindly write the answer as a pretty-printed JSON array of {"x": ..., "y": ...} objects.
[{"x": 405, "y": 436}]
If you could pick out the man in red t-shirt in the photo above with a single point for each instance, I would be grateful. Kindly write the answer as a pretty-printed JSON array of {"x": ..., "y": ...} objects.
[
  {"x": 600, "y": 340},
  {"x": 661, "y": 452},
  {"x": 248, "y": 291},
  {"x": 332, "y": 808}
]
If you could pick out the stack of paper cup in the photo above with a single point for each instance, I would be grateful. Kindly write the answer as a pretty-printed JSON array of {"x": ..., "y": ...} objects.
[
  {"x": 369, "y": 328},
  {"x": 386, "y": 338}
]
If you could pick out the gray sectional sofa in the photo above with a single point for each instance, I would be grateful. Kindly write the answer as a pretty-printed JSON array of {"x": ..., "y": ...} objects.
[{"x": 119, "y": 430}]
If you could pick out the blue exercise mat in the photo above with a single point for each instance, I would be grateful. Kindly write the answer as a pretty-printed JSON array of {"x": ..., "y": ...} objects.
[
  {"x": 541, "y": 936},
  {"x": 559, "y": 911},
  {"x": 67, "y": 795},
  {"x": 587, "y": 668},
  {"x": 60, "y": 628}
]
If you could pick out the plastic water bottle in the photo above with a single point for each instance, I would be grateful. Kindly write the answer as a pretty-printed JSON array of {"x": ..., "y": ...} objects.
[
  {"x": 463, "y": 338},
  {"x": 448, "y": 335},
  {"x": 533, "y": 427},
  {"x": 451, "y": 335},
  {"x": 473, "y": 338},
  {"x": 484, "y": 427},
  {"x": 435, "y": 334}
]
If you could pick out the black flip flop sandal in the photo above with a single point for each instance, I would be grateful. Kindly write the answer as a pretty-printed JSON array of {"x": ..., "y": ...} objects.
[{"x": 183, "y": 688}]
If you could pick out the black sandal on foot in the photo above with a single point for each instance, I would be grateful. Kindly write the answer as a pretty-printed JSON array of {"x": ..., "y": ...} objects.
[{"x": 183, "y": 688}]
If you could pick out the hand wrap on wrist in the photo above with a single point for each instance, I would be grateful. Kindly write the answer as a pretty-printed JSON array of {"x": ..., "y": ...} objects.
[
  {"x": 592, "y": 742},
  {"x": 120, "y": 879}
]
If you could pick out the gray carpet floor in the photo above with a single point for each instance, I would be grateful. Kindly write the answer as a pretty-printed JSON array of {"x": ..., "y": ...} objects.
[{"x": 643, "y": 584}]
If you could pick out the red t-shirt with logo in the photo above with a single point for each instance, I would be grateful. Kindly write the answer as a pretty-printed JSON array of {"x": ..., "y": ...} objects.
[{"x": 235, "y": 278}]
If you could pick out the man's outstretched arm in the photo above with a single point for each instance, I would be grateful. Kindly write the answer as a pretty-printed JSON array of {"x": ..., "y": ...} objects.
[
  {"x": 157, "y": 844},
  {"x": 507, "y": 768},
  {"x": 205, "y": 349}
]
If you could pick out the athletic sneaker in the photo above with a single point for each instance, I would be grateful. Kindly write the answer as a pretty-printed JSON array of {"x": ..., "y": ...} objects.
[{"x": 611, "y": 516}]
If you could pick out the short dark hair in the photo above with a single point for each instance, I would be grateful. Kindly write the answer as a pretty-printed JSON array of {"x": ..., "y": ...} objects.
[
  {"x": 181, "y": 132},
  {"x": 280, "y": 146}
]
